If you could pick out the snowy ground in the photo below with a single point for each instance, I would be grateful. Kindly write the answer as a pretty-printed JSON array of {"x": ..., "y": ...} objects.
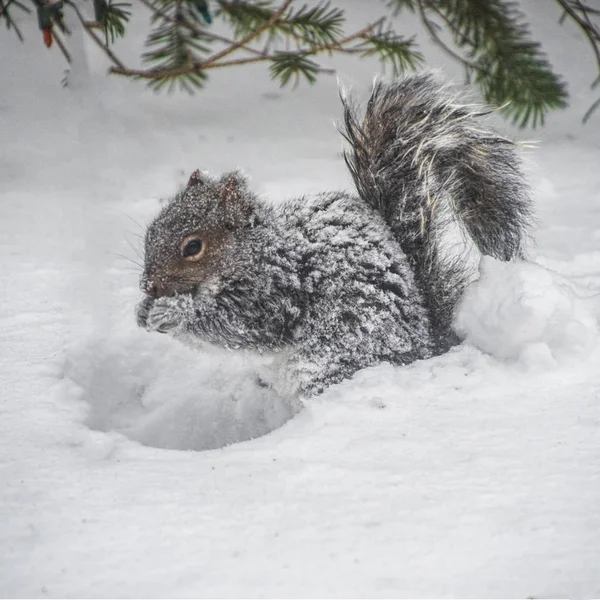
[{"x": 473, "y": 474}]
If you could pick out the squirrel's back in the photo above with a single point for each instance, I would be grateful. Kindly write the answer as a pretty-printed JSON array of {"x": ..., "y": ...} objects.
[{"x": 362, "y": 305}]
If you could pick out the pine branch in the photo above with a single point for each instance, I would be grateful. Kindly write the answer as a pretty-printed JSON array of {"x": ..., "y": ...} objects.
[
  {"x": 287, "y": 66},
  {"x": 62, "y": 48},
  {"x": 434, "y": 29},
  {"x": 490, "y": 39},
  {"x": 396, "y": 6},
  {"x": 392, "y": 49},
  {"x": 580, "y": 14},
  {"x": 287, "y": 62},
  {"x": 320, "y": 23},
  {"x": 245, "y": 18},
  {"x": 112, "y": 17},
  {"x": 177, "y": 51},
  {"x": 251, "y": 35},
  {"x": 499, "y": 55},
  {"x": 89, "y": 29},
  {"x": 198, "y": 31},
  {"x": 5, "y": 14}
]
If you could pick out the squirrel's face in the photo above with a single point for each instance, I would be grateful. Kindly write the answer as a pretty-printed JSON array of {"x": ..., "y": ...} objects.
[{"x": 194, "y": 241}]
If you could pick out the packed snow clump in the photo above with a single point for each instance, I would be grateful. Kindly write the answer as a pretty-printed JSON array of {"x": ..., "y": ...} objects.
[{"x": 524, "y": 312}]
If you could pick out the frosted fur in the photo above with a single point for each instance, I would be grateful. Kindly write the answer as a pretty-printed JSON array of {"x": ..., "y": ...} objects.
[
  {"x": 421, "y": 157},
  {"x": 339, "y": 282},
  {"x": 322, "y": 278}
]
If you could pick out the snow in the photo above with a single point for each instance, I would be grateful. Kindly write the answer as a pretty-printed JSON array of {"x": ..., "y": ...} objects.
[
  {"x": 169, "y": 396},
  {"x": 520, "y": 311},
  {"x": 132, "y": 465}
]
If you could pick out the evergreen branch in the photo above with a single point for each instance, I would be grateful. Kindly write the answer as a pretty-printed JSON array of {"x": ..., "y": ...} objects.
[
  {"x": 432, "y": 29},
  {"x": 4, "y": 7},
  {"x": 210, "y": 35},
  {"x": 339, "y": 44},
  {"x": 244, "y": 17},
  {"x": 296, "y": 63},
  {"x": 318, "y": 25},
  {"x": 393, "y": 49},
  {"x": 266, "y": 58},
  {"x": 490, "y": 40},
  {"x": 4, "y": 13},
  {"x": 460, "y": 35},
  {"x": 62, "y": 48},
  {"x": 89, "y": 29},
  {"x": 287, "y": 61},
  {"x": 250, "y": 36},
  {"x": 397, "y": 5},
  {"x": 113, "y": 19},
  {"x": 177, "y": 51},
  {"x": 288, "y": 65},
  {"x": 585, "y": 10},
  {"x": 152, "y": 74},
  {"x": 508, "y": 66},
  {"x": 590, "y": 111},
  {"x": 188, "y": 80},
  {"x": 591, "y": 32}
]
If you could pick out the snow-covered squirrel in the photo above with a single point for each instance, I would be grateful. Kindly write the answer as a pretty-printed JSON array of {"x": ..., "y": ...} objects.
[{"x": 341, "y": 281}]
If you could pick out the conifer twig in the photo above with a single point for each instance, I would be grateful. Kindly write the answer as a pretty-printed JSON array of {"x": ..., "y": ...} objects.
[
  {"x": 62, "y": 47},
  {"x": 89, "y": 28},
  {"x": 437, "y": 40},
  {"x": 208, "y": 34},
  {"x": 590, "y": 31},
  {"x": 491, "y": 40},
  {"x": 249, "y": 37},
  {"x": 9, "y": 20},
  {"x": 213, "y": 63}
]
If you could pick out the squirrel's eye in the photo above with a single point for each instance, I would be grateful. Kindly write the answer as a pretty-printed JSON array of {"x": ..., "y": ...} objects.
[{"x": 191, "y": 249}]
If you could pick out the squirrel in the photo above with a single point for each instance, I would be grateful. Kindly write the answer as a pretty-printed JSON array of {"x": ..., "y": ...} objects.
[{"x": 342, "y": 281}]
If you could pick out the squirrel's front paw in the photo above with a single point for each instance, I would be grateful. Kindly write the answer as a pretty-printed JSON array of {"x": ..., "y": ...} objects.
[
  {"x": 167, "y": 314},
  {"x": 142, "y": 310}
]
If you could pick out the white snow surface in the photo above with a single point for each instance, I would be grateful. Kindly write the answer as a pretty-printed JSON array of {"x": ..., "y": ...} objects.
[
  {"x": 521, "y": 311},
  {"x": 134, "y": 466}
]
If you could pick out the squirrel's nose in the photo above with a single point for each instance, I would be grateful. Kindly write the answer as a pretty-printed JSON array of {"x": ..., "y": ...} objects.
[{"x": 151, "y": 289}]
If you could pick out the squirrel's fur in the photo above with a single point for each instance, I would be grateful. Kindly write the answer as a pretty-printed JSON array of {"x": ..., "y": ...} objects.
[{"x": 339, "y": 282}]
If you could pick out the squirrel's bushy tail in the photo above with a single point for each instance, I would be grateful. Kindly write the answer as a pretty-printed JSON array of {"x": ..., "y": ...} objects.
[{"x": 421, "y": 159}]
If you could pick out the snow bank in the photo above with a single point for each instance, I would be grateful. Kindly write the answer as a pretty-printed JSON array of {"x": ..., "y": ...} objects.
[{"x": 524, "y": 312}]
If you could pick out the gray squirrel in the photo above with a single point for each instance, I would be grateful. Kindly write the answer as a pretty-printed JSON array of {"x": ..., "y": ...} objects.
[{"x": 339, "y": 281}]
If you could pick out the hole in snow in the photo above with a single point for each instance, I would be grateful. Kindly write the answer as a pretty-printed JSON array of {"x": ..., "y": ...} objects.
[{"x": 156, "y": 391}]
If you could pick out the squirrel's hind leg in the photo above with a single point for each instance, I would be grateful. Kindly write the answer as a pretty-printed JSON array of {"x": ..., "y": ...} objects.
[{"x": 325, "y": 357}]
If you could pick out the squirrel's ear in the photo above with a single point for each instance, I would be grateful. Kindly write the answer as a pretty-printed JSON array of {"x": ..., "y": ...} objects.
[
  {"x": 232, "y": 188},
  {"x": 235, "y": 200},
  {"x": 196, "y": 179}
]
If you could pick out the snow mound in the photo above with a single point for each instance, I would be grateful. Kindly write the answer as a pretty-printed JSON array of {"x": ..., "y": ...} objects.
[
  {"x": 524, "y": 312},
  {"x": 157, "y": 391}
]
